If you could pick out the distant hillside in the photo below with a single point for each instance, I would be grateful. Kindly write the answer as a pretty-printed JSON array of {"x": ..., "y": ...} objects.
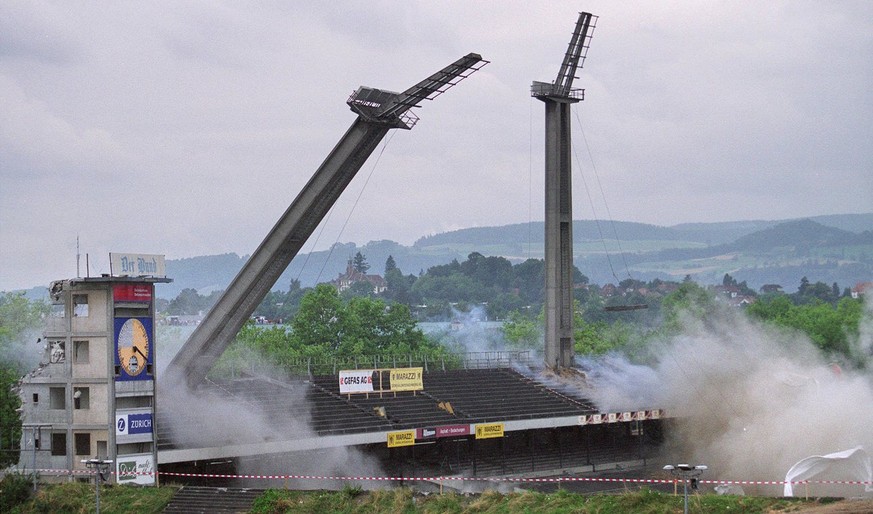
[
  {"x": 825, "y": 248},
  {"x": 522, "y": 233},
  {"x": 206, "y": 273},
  {"x": 852, "y": 222},
  {"x": 721, "y": 233},
  {"x": 800, "y": 233},
  {"x": 705, "y": 233}
]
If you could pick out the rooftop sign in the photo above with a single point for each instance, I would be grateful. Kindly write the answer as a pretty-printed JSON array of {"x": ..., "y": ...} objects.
[{"x": 137, "y": 265}]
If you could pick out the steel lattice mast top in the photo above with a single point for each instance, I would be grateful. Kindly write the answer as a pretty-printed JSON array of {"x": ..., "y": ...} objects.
[
  {"x": 558, "y": 97},
  {"x": 378, "y": 112}
]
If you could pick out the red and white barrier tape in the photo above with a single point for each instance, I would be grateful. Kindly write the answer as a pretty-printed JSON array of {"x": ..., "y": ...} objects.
[{"x": 471, "y": 479}]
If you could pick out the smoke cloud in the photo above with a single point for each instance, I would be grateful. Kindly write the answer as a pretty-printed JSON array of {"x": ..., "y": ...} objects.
[
  {"x": 745, "y": 399},
  {"x": 220, "y": 416}
]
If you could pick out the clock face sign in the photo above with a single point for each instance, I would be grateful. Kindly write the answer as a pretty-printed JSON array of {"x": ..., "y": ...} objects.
[{"x": 133, "y": 347}]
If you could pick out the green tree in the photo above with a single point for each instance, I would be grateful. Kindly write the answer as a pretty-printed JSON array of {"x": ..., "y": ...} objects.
[
  {"x": 688, "y": 303},
  {"x": 522, "y": 333},
  {"x": 189, "y": 302},
  {"x": 18, "y": 315},
  {"x": 529, "y": 281},
  {"x": 320, "y": 321},
  {"x": 390, "y": 264},
  {"x": 280, "y": 306},
  {"x": 359, "y": 288},
  {"x": 359, "y": 263},
  {"x": 833, "y": 329},
  {"x": 325, "y": 326},
  {"x": 399, "y": 287}
]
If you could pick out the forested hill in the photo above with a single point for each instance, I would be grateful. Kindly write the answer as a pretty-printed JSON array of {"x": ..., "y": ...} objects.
[
  {"x": 707, "y": 233},
  {"x": 801, "y": 233},
  {"x": 523, "y": 233}
]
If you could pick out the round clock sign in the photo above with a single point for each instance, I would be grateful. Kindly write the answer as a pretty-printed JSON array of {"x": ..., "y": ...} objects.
[{"x": 133, "y": 347}]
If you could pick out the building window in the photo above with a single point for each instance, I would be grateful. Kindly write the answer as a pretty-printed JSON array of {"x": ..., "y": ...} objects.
[
  {"x": 35, "y": 398},
  {"x": 80, "y": 352},
  {"x": 57, "y": 352},
  {"x": 57, "y": 398},
  {"x": 58, "y": 310},
  {"x": 80, "y": 305},
  {"x": 81, "y": 398},
  {"x": 83, "y": 444},
  {"x": 59, "y": 443}
]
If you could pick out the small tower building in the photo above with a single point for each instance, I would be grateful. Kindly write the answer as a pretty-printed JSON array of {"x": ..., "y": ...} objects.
[{"x": 93, "y": 393}]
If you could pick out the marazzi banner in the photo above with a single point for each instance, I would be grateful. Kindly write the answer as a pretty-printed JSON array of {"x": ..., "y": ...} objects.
[{"x": 406, "y": 379}]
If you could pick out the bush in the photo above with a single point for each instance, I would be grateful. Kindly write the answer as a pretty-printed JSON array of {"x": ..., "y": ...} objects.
[{"x": 14, "y": 490}]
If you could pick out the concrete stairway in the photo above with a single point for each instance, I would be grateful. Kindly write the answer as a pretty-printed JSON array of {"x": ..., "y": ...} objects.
[{"x": 212, "y": 500}]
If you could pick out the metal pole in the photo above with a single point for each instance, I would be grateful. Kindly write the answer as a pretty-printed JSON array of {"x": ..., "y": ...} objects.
[
  {"x": 97, "y": 481},
  {"x": 33, "y": 470},
  {"x": 685, "y": 486}
]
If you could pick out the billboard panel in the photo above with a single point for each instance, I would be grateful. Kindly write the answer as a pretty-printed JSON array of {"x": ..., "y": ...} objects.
[
  {"x": 443, "y": 431},
  {"x": 135, "y": 469},
  {"x": 406, "y": 379},
  {"x": 401, "y": 438},
  {"x": 137, "y": 265},
  {"x": 489, "y": 430},
  {"x": 137, "y": 293},
  {"x": 133, "y": 426},
  {"x": 134, "y": 354},
  {"x": 356, "y": 381}
]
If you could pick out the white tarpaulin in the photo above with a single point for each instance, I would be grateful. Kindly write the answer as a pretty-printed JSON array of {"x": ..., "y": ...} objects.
[{"x": 855, "y": 462}]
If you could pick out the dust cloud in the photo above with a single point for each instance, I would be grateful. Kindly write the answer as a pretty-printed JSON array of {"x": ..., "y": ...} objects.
[
  {"x": 248, "y": 411},
  {"x": 745, "y": 399}
]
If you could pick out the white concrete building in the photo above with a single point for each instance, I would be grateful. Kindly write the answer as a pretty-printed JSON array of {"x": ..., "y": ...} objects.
[{"x": 93, "y": 394}]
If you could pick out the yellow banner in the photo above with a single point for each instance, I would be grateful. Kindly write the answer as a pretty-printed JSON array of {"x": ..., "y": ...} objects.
[
  {"x": 407, "y": 379},
  {"x": 401, "y": 438},
  {"x": 489, "y": 430}
]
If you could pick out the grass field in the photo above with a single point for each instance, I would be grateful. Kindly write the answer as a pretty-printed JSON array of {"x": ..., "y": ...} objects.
[{"x": 78, "y": 497}]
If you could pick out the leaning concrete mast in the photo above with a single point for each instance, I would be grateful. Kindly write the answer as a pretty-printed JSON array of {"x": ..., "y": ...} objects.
[
  {"x": 558, "y": 97},
  {"x": 378, "y": 111}
]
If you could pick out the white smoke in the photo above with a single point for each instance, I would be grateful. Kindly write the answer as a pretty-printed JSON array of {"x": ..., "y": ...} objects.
[
  {"x": 341, "y": 464},
  {"x": 217, "y": 416},
  {"x": 745, "y": 399},
  {"x": 470, "y": 332}
]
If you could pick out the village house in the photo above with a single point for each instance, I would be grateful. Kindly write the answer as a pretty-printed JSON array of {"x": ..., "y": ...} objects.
[{"x": 352, "y": 276}]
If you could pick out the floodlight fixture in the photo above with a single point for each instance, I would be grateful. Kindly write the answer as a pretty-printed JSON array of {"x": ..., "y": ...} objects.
[
  {"x": 99, "y": 467},
  {"x": 688, "y": 473}
]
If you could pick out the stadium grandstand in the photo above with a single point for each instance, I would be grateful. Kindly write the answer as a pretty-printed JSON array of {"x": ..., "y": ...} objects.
[{"x": 543, "y": 424}]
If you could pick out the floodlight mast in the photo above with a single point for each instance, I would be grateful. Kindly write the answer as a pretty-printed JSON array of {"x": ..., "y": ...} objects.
[
  {"x": 378, "y": 112},
  {"x": 558, "y": 97}
]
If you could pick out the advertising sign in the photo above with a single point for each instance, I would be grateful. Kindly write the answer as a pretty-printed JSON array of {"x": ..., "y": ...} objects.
[
  {"x": 489, "y": 430},
  {"x": 133, "y": 426},
  {"x": 356, "y": 381},
  {"x": 135, "y": 469},
  {"x": 135, "y": 293},
  {"x": 133, "y": 348},
  {"x": 401, "y": 438},
  {"x": 407, "y": 379},
  {"x": 443, "y": 431},
  {"x": 137, "y": 265}
]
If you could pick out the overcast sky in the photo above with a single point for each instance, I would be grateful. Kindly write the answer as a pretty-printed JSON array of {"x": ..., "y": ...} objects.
[{"x": 187, "y": 128}]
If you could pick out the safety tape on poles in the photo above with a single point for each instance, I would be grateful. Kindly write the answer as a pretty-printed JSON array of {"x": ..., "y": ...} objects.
[{"x": 468, "y": 479}]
